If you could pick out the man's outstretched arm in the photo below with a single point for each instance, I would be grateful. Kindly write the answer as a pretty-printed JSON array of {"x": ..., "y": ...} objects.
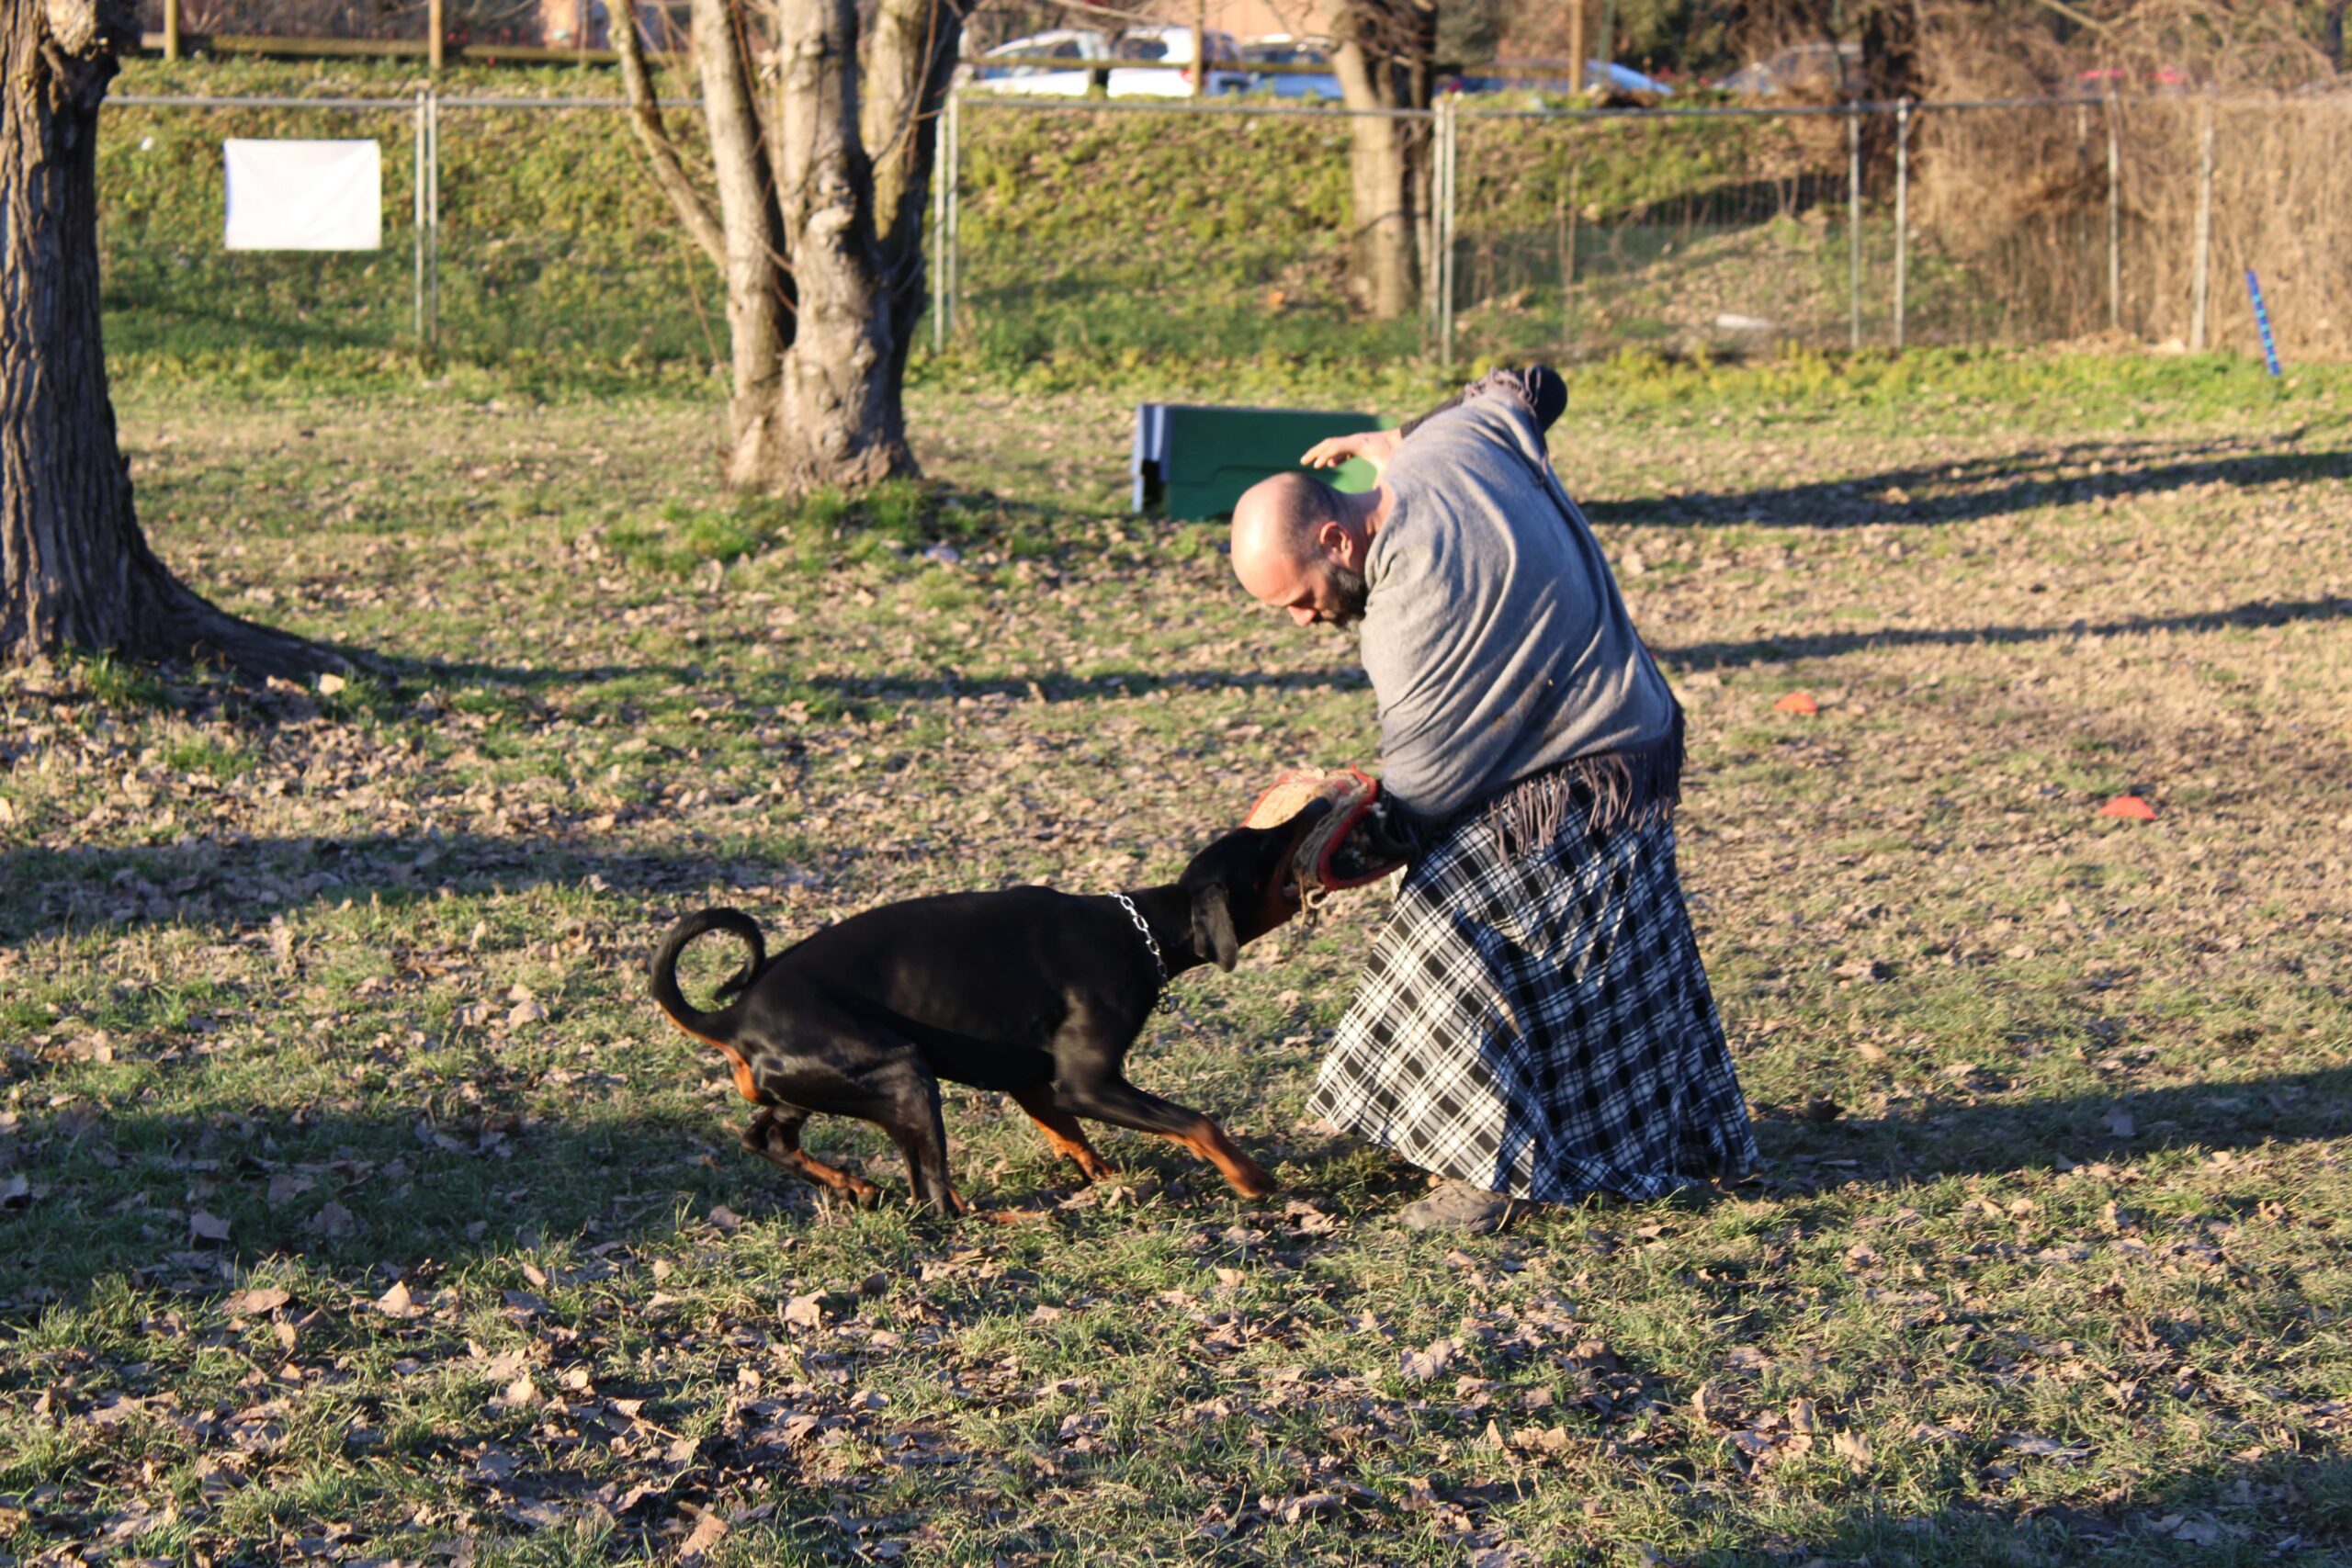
[{"x": 1537, "y": 386}]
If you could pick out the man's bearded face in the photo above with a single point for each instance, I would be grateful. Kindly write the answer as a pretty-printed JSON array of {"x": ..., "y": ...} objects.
[{"x": 1345, "y": 598}]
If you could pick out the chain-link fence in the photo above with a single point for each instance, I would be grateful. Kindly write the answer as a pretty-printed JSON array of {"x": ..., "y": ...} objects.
[
  {"x": 1137, "y": 230},
  {"x": 516, "y": 230},
  {"x": 1127, "y": 233}
]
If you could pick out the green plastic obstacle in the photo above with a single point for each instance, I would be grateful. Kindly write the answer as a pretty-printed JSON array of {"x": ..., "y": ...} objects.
[{"x": 1193, "y": 460}]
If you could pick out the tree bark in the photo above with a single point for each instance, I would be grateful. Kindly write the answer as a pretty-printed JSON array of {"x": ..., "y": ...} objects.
[
  {"x": 76, "y": 569},
  {"x": 757, "y": 269},
  {"x": 1383, "y": 61},
  {"x": 820, "y": 215}
]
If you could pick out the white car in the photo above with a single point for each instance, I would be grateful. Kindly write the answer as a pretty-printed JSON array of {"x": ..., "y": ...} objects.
[
  {"x": 1174, "y": 46},
  {"x": 1080, "y": 46}
]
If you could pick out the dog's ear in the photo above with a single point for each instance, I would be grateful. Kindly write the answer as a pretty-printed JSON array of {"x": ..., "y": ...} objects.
[{"x": 1213, "y": 925}]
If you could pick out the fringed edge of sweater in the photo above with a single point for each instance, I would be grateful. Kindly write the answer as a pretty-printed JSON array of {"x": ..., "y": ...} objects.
[{"x": 1636, "y": 787}]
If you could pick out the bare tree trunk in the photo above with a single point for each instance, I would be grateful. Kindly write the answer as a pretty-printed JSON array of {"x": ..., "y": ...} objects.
[
  {"x": 910, "y": 53},
  {"x": 75, "y": 566},
  {"x": 820, "y": 215},
  {"x": 1384, "y": 63},
  {"x": 2331, "y": 30},
  {"x": 838, "y": 423},
  {"x": 757, "y": 267}
]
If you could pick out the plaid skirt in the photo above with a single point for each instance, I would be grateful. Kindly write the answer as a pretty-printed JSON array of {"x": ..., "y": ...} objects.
[{"x": 1540, "y": 1024}]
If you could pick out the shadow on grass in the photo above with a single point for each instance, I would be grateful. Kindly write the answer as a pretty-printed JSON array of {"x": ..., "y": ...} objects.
[
  {"x": 2015, "y": 482},
  {"x": 1992, "y": 1137},
  {"x": 1059, "y": 686},
  {"x": 412, "y": 671},
  {"x": 1830, "y": 645},
  {"x": 2283, "y": 1508},
  {"x": 241, "y": 880},
  {"x": 362, "y": 1194}
]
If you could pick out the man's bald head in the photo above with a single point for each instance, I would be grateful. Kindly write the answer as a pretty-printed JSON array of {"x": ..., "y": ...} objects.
[
  {"x": 1298, "y": 545},
  {"x": 1276, "y": 519}
]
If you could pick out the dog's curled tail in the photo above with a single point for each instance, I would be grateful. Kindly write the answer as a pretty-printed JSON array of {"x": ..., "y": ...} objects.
[{"x": 691, "y": 1018}]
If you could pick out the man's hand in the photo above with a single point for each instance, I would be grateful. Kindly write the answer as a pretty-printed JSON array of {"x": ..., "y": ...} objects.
[{"x": 1374, "y": 446}]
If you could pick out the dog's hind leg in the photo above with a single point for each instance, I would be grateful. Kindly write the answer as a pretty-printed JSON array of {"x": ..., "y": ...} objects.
[
  {"x": 774, "y": 1136},
  {"x": 1062, "y": 1131},
  {"x": 909, "y": 1112},
  {"x": 1121, "y": 1104}
]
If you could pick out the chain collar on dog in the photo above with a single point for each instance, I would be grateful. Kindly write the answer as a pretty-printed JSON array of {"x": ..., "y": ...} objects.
[{"x": 1167, "y": 1003}]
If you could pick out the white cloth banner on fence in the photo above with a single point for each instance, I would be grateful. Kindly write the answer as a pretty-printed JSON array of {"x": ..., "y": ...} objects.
[{"x": 304, "y": 195}]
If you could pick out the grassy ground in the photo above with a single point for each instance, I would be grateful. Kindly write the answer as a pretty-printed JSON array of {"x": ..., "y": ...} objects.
[{"x": 358, "y": 1206}]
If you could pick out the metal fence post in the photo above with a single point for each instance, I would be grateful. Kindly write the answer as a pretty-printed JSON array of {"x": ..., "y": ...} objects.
[
  {"x": 1854, "y": 225},
  {"x": 416, "y": 214},
  {"x": 433, "y": 216},
  {"x": 2114, "y": 221},
  {"x": 1448, "y": 143},
  {"x": 1429, "y": 229},
  {"x": 1902, "y": 215},
  {"x": 2204, "y": 247},
  {"x": 954, "y": 236},
  {"x": 942, "y": 167}
]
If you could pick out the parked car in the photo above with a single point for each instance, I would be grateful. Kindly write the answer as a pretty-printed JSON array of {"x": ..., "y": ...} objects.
[
  {"x": 1814, "y": 69},
  {"x": 1598, "y": 75},
  {"x": 1280, "y": 49},
  {"x": 1077, "y": 45},
  {"x": 1174, "y": 46}
]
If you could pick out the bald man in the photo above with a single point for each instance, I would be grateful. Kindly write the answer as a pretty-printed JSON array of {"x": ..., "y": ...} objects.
[{"x": 1534, "y": 1023}]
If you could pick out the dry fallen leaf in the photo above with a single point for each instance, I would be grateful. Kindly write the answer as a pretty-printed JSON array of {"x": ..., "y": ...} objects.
[
  {"x": 1425, "y": 1363},
  {"x": 709, "y": 1529},
  {"x": 1308, "y": 1506},
  {"x": 252, "y": 1304}
]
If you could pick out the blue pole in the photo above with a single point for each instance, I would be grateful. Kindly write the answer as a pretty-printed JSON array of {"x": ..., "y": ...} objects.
[{"x": 2262, "y": 319}]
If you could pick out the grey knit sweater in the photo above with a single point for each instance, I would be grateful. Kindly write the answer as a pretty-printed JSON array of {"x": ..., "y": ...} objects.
[{"x": 1499, "y": 648}]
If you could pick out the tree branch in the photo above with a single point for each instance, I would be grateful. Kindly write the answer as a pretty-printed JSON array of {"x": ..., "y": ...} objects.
[
  {"x": 645, "y": 114},
  {"x": 909, "y": 58}
]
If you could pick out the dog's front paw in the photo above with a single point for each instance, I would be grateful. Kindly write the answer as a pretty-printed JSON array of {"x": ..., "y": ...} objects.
[{"x": 1250, "y": 1180}]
